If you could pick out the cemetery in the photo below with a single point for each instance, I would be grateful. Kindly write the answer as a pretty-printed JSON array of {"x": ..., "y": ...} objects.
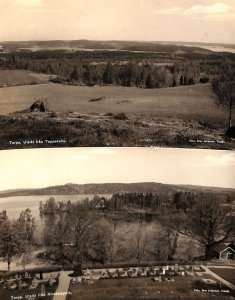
[
  {"x": 32, "y": 286},
  {"x": 155, "y": 272},
  {"x": 165, "y": 281}
]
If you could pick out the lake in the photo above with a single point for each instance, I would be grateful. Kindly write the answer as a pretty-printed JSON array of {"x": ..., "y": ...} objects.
[
  {"x": 14, "y": 205},
  {"x": 219, "y": 49}
]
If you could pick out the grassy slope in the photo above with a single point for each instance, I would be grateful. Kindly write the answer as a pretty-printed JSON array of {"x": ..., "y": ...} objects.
[
  {"x": 158, "y": 117},
  {"x": 20, "y": 77},
  {"x": 188, "y": 102}
]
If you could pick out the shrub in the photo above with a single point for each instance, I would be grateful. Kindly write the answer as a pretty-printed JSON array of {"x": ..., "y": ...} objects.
[
  {"x": 109, "y": 114},
  {"x": 120, "y": 116},
  {"x": 204, "y": 80}
]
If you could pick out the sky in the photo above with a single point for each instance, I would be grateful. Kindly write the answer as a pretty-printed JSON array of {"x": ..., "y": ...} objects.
[
  {"x": 35, "y": 168},
  {"x": 146, "y": 20}
]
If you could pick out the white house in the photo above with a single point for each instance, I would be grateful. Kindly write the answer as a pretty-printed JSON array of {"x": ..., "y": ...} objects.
[{"x": 225, "y": 251}]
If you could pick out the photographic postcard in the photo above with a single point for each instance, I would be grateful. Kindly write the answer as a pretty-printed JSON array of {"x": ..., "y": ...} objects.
[
  {"x": 117, "y": 73},
  {"x": 117, "y": 223}
]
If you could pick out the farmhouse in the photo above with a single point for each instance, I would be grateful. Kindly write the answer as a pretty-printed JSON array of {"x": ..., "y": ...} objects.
[{"x": 225, "y": 251}]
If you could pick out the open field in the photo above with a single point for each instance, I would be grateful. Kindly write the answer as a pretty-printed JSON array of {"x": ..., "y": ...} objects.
[
  {"x": 227, "y": 274},
  {"x": 185, "y": 116},
  {"x": 187, "y": 102},
  {"x": 21, "y": 77}
]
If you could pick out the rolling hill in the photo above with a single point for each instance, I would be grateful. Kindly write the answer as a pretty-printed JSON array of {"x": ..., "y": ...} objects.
[
  {"x": 21, "y": 77},
  {"x": 103, "y": 45},
  {"x": 110, "y": 188}
]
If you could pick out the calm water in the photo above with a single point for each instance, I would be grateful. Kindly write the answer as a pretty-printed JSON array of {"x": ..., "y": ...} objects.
[
  {"x": 14, "y": 205},
  {"x": 216, "y": 48},
  {"x": 219, "y": 49}
]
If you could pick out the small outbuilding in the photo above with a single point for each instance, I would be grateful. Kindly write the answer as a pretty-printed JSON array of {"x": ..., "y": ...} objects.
[{"x": 225, "y": 251}]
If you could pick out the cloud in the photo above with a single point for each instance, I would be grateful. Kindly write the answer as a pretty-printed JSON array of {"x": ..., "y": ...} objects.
[
  {"x": 169, "y": 11},
  {"x": 215, "y": 9},
  {"x": 222, "y": 160},
  {"x": 81, "y": 156},
  {"x": 89, "y": 153},
  {"x": 196, "y": 10},
  {"x": 102, "y": 151},
  {"x": 26, "y": 2}
]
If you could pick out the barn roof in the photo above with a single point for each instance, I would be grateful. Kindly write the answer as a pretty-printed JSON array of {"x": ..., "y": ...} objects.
[{"x": 222, "y": 247}]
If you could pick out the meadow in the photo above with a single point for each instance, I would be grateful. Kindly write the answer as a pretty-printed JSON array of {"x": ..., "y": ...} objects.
[
  {"x": 188, "y": 102},
  {"x": 183, "y": 116}
]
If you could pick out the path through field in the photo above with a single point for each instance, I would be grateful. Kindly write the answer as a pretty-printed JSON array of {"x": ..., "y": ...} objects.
[{"x": 63, "y": 286}]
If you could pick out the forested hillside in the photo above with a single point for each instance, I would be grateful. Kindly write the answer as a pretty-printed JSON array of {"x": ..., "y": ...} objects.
[
  {"x": 145, "y": 65},
  {"x": 112, "y": 188}
]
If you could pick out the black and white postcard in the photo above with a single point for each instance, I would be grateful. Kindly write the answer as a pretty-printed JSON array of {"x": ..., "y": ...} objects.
[
  {"x": 117, "y": 73},
  {"x": 117, "y": 223}
]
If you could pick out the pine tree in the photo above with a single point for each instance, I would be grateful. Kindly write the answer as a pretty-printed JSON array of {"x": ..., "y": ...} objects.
[{"x": 149, "y": 82}]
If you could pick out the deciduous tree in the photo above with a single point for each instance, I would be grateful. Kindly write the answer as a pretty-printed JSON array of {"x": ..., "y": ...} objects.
[
  {"x": 224, "y": 88},
  {"x": 11, "y": 239},
  {"x": 27, "y": 224},
  {"x": 80, "y": 221},
  {"x": 208, "y": 222},
  {"x": 101, "y": 241}
]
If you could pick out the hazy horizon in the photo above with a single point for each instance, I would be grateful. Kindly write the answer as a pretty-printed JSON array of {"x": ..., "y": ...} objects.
[
  {"x": 97, "y": 183},
  {"x": 208, "y": 21},
  {"x": 38, "y": 168},
  {"x": 113, "y": 40}
]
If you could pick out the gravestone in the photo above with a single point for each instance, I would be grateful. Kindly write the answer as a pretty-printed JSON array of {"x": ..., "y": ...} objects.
[
  {"x": 20, "y": 285},
  {"x": 176, "y": 267},
  {"x": 43, "y": 289},
  {"x": 51, "y": 281}
]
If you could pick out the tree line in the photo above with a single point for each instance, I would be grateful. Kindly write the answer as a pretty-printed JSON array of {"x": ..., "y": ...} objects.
[
  {"x": 153, "y": 201},
  {"x": 116, "y": 68},
  {"x": 83, "y": 234},
  {"x": 204, "y": 218}
]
